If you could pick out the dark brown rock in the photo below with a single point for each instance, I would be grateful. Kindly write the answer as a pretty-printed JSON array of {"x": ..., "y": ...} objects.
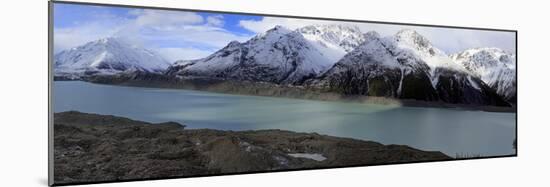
[{"x": 95, "y": 148}]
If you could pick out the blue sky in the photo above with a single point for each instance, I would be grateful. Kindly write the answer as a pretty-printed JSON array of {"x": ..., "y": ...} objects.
[
  {"x": 174, "y": 34},
  {"x": 189, "y": 35}
]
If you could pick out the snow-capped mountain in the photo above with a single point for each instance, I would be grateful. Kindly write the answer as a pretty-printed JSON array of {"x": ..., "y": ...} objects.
[
  {"x": 107, "y": 56},
  {"x": 405, "y": 66},
  {"x": 494, "y": 66},
  {"x": 279, "y": 55}
]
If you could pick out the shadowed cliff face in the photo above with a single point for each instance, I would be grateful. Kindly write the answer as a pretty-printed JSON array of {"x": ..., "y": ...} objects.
[{"x": 94, "y": 148}]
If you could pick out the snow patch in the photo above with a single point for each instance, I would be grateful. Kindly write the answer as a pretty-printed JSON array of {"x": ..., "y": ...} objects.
[
  {"x": 246, "y": 145},
  {"x": 99, "y": 59},
  {"x": 313, "y": 156},
  {"x": 400, "y": 82},
  {"x": 281, "y": 160},
  {"x": 473, "y": 83}
]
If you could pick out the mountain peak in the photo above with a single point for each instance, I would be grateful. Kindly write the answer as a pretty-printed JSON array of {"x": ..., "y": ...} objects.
[
  {"x": 233, "y": 43},
  {"x": 273, "y": 33},
  {"x": 103, "y": 40},
  {"x": 319, "y": 28},
  {"x": 371, "y": 35},
  {"x": 279, "y": 29},
  {"x": 412, "y": 37},
  {"x": 407, "y": 33},
  {"x": 106, "y": 41}
]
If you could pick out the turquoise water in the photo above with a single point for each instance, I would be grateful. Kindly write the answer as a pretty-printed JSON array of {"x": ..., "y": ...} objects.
[{"x": 447, "y": 130}]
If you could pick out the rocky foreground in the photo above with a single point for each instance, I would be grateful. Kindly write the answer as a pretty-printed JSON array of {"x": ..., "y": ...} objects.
[{"x": 95, "y": 148}]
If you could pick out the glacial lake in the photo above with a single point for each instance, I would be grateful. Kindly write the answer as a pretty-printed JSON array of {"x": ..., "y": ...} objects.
[{"x": 447, "y": 130}]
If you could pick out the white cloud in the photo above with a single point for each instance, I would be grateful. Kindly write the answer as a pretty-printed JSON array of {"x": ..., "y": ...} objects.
[
  {"x": 174, "y": 54},
  {"x": 160, "y": 18},
  {"x": 66, "y": 38},
  {"x": 191, "y": 32},
  {"x": 266, "y": 23},
  {"x": 205, "y": 36},
  {"x": 455, "y": 40},
  {"x": 216, "y": 21}
]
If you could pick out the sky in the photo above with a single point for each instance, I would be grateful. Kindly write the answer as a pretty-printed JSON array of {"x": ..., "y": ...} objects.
[{"x": 182, "y": 35}]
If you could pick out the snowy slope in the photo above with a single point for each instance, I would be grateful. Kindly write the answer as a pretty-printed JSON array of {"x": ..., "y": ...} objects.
[
  {"x": 107, "y": 56},
  {"x": 494, "y": 66},
  {"x": 279, "y": 55}
]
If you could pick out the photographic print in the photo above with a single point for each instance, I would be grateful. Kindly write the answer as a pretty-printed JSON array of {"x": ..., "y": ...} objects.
[{"x": 150, "y": 93}]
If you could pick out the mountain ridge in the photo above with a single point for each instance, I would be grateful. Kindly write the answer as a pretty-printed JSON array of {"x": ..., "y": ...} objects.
[{"x": 388, "y": 67}]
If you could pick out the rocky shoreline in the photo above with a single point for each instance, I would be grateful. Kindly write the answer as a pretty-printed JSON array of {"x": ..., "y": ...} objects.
[{"x": 96, "y": 148}]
